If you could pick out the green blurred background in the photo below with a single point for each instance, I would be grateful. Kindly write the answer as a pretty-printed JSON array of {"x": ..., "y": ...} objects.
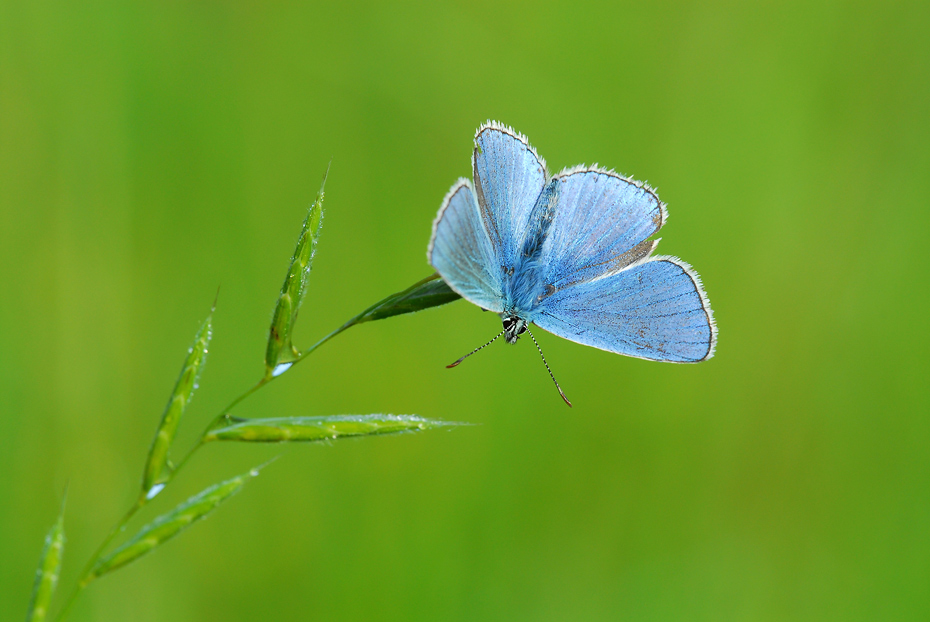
[{"x": 150, "y": 152}]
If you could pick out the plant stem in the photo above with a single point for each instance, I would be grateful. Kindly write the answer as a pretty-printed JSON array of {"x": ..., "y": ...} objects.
[
  {"x": 304, "y": 354},
  {"x": 86, "y": 574}
]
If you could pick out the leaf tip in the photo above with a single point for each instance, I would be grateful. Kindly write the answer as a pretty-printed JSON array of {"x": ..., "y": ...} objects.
[{"x": 256, "y": 470}]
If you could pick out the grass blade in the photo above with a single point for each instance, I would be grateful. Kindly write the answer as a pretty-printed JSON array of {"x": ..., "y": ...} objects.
[
  {"x": 157, "y": 467},
  {"x": 49, "y": 569},
  {"x": 280, "y": 351},
  {"x": 310, "y": 429},
  {"x": 430, "y": 292},
  {"x": 169, "y": 525}
]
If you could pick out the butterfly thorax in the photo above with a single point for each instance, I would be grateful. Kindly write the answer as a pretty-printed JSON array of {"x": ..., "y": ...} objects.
[{"x": 522, "y": 290}]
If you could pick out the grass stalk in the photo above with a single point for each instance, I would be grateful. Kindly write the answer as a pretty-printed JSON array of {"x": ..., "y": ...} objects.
[
  {"x": 428, "y": 292},
  {"x": 86, "y": 574}
]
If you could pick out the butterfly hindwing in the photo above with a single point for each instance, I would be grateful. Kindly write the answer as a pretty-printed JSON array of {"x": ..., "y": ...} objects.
[
  {"x": 461, "y": 251},
  {"x": 655, "y": 309}
]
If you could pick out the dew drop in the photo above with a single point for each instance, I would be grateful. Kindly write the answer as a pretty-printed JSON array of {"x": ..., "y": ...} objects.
[
  {"x": 280, "y": 369},
  {"x": 154, "y": 490}
]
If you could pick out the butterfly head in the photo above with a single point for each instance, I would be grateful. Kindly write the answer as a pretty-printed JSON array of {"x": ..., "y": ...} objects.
[{"x": 513, "y": 327}]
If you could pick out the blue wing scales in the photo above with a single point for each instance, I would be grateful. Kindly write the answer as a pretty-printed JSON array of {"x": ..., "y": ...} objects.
[
  {"x": 509, "y": 177},
  {"x": 479, "y": 231},
  {"x": 596, "y": 284},
  {"x": 655, "y": 309},
  {"x": 461, "y": 251},
  {"x": 600, "y": 218}
]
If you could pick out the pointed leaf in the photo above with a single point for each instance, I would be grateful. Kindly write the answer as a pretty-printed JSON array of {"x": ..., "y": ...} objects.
[
  {"x": 430, "y": 292},
  {"x": 280, "y": 350},
  {"x": 156, "y": 467},
  {"x": 169, "y": 525},
  {"x": 49, "y": 569},
  {"x": 309, "y": 429}
]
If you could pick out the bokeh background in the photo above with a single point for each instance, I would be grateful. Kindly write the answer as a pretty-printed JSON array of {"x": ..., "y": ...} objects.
[{"x": 153, "y": 151}]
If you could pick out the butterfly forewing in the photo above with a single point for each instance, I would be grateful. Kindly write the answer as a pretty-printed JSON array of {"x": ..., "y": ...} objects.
[
  {"x": 509, "y": 177},
  {"x": 599, "y": 219}
]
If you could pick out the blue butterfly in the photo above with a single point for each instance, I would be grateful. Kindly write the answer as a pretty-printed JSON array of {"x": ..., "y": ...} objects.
[{"x": 570, "y": 253}]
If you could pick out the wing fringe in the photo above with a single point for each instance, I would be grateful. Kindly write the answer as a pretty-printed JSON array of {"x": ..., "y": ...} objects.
[
  {"x": 705, "y": 303},
  {"x": 506, "y": 129},
  {"x": 594, "y": 168}
]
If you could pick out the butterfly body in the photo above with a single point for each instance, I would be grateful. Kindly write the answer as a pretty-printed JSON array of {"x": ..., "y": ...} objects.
[
  {"x": 570, "y": 253},
  {"x": 523, "y": 283}
]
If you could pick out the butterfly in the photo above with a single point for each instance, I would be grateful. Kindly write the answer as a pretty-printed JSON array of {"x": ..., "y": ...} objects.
[{"x": 570, "y": 253}]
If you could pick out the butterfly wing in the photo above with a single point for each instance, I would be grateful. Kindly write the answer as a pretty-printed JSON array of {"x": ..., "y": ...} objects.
[
  {"x": 477, "y": 233},
  {"x": 461, "y": 251},
  {"x": 600, "y": 226},
  {"x": 509, "y": 177},
  {"x": 654, "y": 309}
]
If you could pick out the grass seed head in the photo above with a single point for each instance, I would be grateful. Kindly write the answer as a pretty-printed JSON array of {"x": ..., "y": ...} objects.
[
  {"x": 49, "y": 569},
  {"x": 157, "y": 463},
  {"x": 280, "y": 349},
  {"x": 169, "y": 525},
  {"x": 316, "y": 429}
]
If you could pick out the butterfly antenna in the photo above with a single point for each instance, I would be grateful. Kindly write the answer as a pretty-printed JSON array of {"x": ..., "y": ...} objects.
[
  {"x": 547, "y": 368},
  {"x": 473, "y": 351}
]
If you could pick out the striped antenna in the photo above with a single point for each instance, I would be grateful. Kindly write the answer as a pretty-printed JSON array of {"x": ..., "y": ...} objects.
[
  {"x": 547, "y": 367},
  {"x": 475, "y": 350}
]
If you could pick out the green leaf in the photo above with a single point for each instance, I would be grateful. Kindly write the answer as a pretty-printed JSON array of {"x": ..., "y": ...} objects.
[
  {"x": 430, "y": 292},
  {"x": 280, "y": 350},
  {"x": 49, "y": 569},
  {"x": 310, "y": 429},
  {"x": 169, "y": 525},
  {"x": 157, "y": 468}
]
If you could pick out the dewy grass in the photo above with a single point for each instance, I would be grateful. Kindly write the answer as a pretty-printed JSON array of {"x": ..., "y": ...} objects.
[
  {"x": 280, "y": 351},
  {"x": 49, "y": 568},
  {"x": 280, "y": 356},
  {"x": 169, "y": 525},
  {"x": 157, "y": 463},
  {"x": 310, "y": 429}
]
